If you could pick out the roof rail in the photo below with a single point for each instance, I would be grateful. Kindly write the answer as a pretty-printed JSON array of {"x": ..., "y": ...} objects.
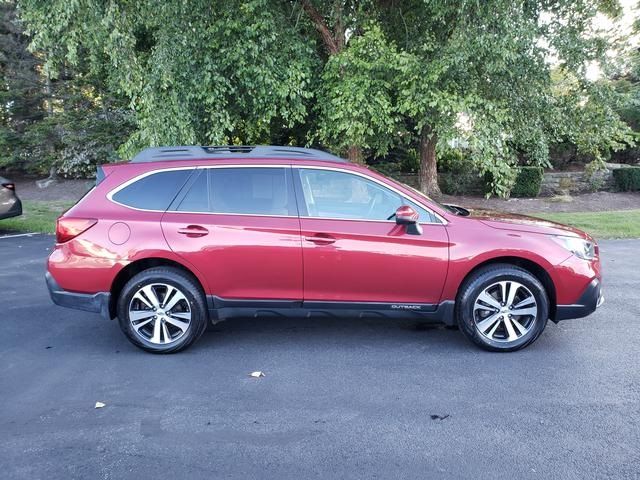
[{"x": 156, "y": 154}]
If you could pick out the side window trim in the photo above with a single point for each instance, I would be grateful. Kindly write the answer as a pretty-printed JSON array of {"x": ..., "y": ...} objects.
[
  {"x": 302, "y": 206},
  {"x": 142, "y": 176},
  {"x": 207, "y": 170},
  {"x": 185, "y": 190}
]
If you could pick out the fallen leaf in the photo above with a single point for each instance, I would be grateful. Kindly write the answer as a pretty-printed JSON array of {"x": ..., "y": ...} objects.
[
  {"x": 439, "y": 417},
  {"x": 100, "y": 405},
  {"x": 257, "y": 374}
]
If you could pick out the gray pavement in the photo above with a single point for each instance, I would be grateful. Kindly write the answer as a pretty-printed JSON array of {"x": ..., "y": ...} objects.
[{"x": 340, "y": 399}]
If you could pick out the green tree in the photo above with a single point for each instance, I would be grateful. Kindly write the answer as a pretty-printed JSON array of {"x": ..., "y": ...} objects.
[
  {"x": 492, "y": 62},
  {"x": 194, "y": 72},
  {"x": 355, "y": 95}
]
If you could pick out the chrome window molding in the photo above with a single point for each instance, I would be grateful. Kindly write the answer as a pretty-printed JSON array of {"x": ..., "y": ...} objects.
[{"x": 442, "y": 220}]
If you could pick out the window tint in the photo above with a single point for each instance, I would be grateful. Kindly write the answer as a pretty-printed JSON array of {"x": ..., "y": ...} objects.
[
  {"x": 332, "y": 194},
  {"x": 257, "y": 191},
  {"x": 153, "y": 192},
  {"x": 197, "y": 198}
]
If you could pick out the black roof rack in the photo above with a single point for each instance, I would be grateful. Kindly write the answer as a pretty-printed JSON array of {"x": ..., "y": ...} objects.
[{"x": 156, "y": 154}]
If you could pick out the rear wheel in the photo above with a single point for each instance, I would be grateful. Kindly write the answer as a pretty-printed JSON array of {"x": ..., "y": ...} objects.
[
  {"x": 502, "y": 308},
  {"x": 162, "y": 310}
]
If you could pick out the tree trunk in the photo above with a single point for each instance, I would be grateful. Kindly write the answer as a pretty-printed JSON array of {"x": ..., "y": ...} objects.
[
  {"x": 354, "y": 154},
  {"x": 428, "y": 176},
  {"x": 334, "y": 41}
]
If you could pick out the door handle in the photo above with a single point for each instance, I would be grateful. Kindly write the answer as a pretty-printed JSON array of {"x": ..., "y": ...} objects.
[
  {"x": 193, "y": 231},
  {"x": 321, "y": 239}
]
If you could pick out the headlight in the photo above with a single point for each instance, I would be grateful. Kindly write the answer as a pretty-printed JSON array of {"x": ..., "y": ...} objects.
[{"x": 579, "y": 247}]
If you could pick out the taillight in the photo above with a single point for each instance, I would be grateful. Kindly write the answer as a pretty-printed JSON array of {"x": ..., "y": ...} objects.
[
  {"x": 68, "y": 228},
  {"x": 10, "y": 186}
]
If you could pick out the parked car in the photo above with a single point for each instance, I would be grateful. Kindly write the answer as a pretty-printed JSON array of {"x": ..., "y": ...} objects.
[
  {"x": 181, "y": 237},
  {"x": 10, "y": 205}
]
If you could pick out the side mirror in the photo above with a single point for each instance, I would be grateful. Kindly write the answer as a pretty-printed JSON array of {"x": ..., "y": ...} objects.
[{"x": 405, "y": 215}]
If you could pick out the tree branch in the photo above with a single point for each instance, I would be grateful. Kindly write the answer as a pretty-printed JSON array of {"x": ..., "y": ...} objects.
[{"x": 321, "y": 26}]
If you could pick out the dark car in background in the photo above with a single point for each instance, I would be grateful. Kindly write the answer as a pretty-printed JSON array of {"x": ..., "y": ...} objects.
[{"x": 10, "y": 204}]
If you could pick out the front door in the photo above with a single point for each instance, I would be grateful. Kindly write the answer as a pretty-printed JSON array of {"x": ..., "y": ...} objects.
[
  {"x": 354, "y": 251},
  {"x": 240, "y": 227}
]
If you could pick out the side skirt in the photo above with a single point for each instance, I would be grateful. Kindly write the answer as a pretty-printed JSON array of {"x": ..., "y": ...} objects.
[{"x": 222, "y": 309}]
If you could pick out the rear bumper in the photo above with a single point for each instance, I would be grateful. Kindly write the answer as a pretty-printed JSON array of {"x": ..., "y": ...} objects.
[
  {"x": 590, "y": 299},
  {"x": 14, "y": 211},
  {"x": 96, "y": 302}
]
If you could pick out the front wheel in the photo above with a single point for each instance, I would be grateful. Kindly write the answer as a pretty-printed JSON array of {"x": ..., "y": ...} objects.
[
  {"x": 502, "y": 308},
  {"x": 162, "y": 310}
]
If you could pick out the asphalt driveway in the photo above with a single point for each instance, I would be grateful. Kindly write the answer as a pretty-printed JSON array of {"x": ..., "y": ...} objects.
[{"x": 340, "y": 399}]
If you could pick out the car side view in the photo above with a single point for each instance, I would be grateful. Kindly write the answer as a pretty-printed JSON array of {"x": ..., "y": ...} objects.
[{"x": 182, "y": 237}]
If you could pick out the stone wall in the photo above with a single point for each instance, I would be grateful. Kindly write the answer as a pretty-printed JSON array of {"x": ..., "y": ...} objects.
[
  {"x": 563, "y": 183},
  {"x": 553, "y": 183}
]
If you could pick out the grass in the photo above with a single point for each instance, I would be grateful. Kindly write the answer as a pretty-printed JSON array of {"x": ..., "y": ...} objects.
[
  {"x": 37, "y": 216},
  {"x": 619, "y": 224}
]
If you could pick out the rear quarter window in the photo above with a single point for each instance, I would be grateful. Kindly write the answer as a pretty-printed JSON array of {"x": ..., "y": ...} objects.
[{"x": 153, "y": 192}]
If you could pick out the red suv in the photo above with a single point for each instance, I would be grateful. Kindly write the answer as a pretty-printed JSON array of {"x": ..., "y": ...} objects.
[{"x": 182, "y": 237}]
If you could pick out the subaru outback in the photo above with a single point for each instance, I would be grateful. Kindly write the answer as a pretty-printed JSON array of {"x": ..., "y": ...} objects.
[{"x": 182, "y": 237}]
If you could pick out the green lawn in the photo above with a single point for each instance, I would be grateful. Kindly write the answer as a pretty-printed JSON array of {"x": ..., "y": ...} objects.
[
  {"x": 620, "y": 224},
  {"x": 37, "y": 216}
]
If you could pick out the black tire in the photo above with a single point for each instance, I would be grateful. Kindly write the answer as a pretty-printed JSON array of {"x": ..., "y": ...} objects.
[
  {"x": 483, "y": 279},
  {"x": 178, "y": 279}
]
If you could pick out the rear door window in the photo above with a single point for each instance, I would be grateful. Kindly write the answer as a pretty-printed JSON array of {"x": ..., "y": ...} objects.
[
  {"x": 252, "y": 191},
  {"x": 153, "y": 192},
  {"x": 197, "y": 198},
  {"x": 241, "y": 190}
]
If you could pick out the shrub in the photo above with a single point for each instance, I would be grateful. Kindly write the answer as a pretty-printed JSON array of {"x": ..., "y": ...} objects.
[
  {"x": 528, "y": 182},
  {"x": 463, "y": 183},
  {"x": 627, "y": 179},
  {"x": 455, "y": 160}
]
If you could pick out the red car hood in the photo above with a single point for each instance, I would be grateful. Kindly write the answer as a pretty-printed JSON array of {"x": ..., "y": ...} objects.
[{"x": 524, "y": 223}]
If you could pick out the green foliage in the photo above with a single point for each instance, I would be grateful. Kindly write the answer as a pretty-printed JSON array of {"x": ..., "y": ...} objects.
[
  {"x": 455, "y": 160},
  {"x": 627, "y": 179},
  {"x": 488, "y": 60},
  {"x": 126, "y": 75},
  {"x": 461, "y": 183},
  {"x": 356, "y": 104},
  {"x": 528, "y": 182},
  {"x": 458, "y": 173},
  {"x": 196, "y": 72}
]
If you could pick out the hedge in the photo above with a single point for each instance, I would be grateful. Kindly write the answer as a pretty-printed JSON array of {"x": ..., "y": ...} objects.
[
  {"x": 528, "y": 182},
  {"x": 627, "y": 179},
  {"x": 464, "y": 183}
]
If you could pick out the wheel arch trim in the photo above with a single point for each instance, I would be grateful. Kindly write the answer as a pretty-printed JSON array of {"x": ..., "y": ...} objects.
[
  {"x": 535, "y": 268},
  {"x": 142, "y": 263}
]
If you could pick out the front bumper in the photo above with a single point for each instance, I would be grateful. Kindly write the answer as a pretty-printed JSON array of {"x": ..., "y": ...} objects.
[
  {"x": 96, "y": 302},
  {"x": 590, "y": 299}
]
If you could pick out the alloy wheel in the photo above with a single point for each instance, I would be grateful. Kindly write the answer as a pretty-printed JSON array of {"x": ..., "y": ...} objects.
[
  {"x": 505, "y": 311},
  {"x": 159, "y": 313}
]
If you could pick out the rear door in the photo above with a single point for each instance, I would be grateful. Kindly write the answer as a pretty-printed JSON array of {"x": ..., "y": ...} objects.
[
  {"x": 239, "y": 225},
  {"x": 354, "y": 251}
]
